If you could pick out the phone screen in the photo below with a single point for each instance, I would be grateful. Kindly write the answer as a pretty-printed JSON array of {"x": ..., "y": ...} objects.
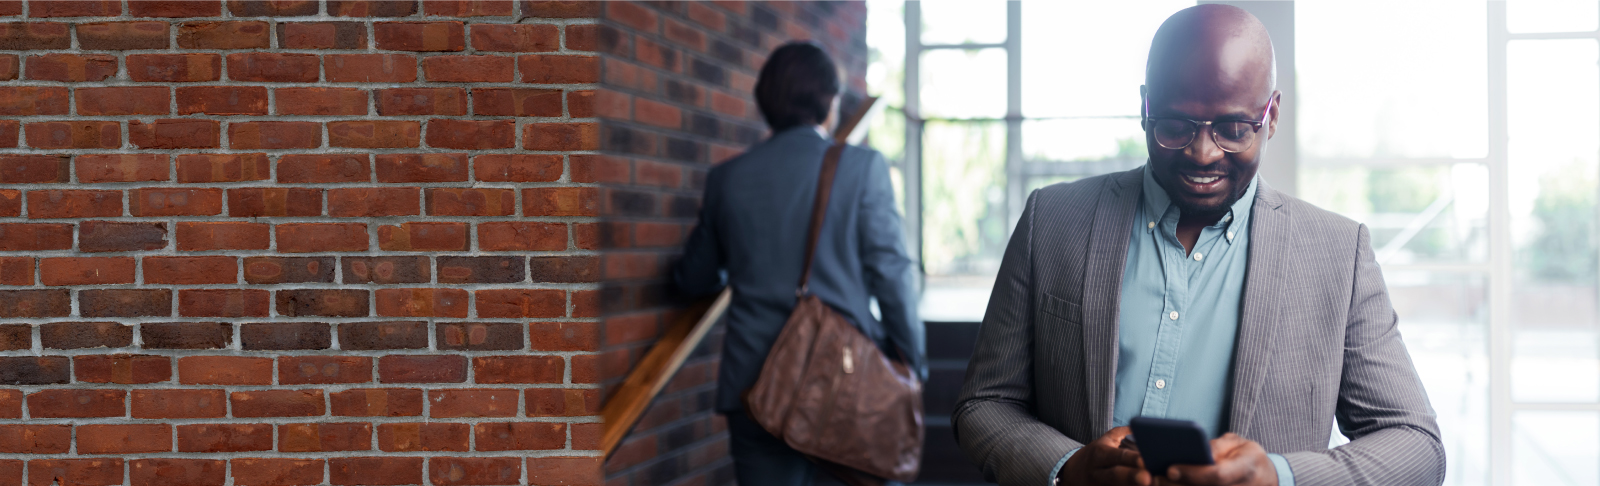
[{"x": 1164, "y": 442}]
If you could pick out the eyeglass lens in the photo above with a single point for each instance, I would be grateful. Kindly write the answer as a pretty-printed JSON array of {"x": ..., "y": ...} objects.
[{"x": 1230, "y": 136}]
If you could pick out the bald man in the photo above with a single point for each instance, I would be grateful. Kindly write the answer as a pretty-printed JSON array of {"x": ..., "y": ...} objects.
[{"x": 1190, "y": 289}]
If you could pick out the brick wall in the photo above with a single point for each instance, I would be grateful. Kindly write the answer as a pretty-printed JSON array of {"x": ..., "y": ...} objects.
[
  {"x": 676, "y": 98},
  {"x": 299, "y": 242}
]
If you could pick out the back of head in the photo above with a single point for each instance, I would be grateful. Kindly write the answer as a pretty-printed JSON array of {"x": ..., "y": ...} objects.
[{"x": 797, "y": 86}]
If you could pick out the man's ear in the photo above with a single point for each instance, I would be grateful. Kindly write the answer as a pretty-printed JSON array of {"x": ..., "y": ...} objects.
[
  {"x": 1144, "y": 101},
  {"x": 1272, "y": 122}
]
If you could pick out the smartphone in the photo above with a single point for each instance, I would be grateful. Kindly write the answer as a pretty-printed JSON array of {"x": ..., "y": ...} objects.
[{"x": 1164, "y": 442}]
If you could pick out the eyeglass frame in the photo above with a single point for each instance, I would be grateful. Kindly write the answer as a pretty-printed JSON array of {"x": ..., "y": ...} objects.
[{"x": 1148, "y": 123}]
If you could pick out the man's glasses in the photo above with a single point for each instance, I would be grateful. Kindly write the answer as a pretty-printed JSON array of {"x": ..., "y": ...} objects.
[{"x": 1231, "y": 136}]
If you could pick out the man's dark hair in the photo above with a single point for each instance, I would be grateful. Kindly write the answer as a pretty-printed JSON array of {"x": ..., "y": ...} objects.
[{"x": 797, "y": 86}]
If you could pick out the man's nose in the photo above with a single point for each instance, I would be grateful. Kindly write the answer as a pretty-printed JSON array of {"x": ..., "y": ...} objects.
[{"x": 1204, "y": 150}]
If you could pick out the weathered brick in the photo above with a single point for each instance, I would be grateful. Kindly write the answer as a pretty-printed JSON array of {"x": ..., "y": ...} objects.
[
  {"x": 323, "y": 168},
  {"x": 36, "y": 370},
  {"x": 480, "y": 336},
  {"x": 322, "y": 302},
  {"x": 123, "y": 35},
  {"x": 560, "y": 201},
  {"x": 560, "y": 9},
  {"x": 516, "y": 37},
  {"x": 72, "y": 68},
  {"x": 320, "y": 237},
  {"x": 124, "y": 438},
  {"x": 222, "y": 303},
  {"x": 518, "y": 369},
  {"x": 124, "y": 302},
  {"x": 28, "y": 36},
  {"x": 127, "y": 369},
  {"x": 380, "y": 471},
  {"x": 202, "y": 236},
  {"x": 322, "y": 35},
  {"x": 99, "y": 236},
  {"x": 471, "y": 202},
  {"x": 26, "y": 169},
  {"x": 174, "y": 68},
  {"x": 372, "y": 8},
  {"x": 274, "y": 135},
  {"x": 516, "y": 102},
  {"x": 369, "y": 68},
  {"x": 98, "y": 471},
  {"x": 419, "y": 36},
  {"x": 222, "y": 100},
  {"x": 472, "y": 402},
  {"x": 203, "y": 168},
  {"x": 422, "y": 302},
  {"x": 10, "y": 403},
  {"x": 185, "y": 335},
  {"x": 558, "y": 69},
  {"x": 387, "y": 269},
  {"x": 75, "y": 8},
  {"x": 324, "y": 437},
  {"x": 77, "y": 134},
  {"x": 35, "y": 438},
  {"x": 370, "y": 202},
  {"x": 383, "y": 335},
  {"x": 278, "y": 403},
  {"x": 98, "y": 168},
  {"x": 177, "y": 472},
  {"x": 422, "y": 369},
  {"x": 78, "y": 335},
  {"x": 491, "y": 269},
  {"x": 255, "y": 202},
  {"x": 175, "y": 133},
  {"x": 224, "y": 35},
  {"x": 423, "y": 237},
  {"x": 562, "y": 402},
  {"x": 225, "y": 437},
  {"x": 186, "y": 270},
  {"x": 274, "y": 270},
  {"x": 522, "y": 236},
  {"x": 564, "y": 336},
  {"x": 377, "y": 402},
  {"x": 422, "y": 101},
  {"x": 276, "y": 471},
  {"x": 179, "y": 403},
  {"x": 86, "y": 270},
  {"x": 470, "y": 69},
  {"x": 321, "y": 101},
  {"x": 561, "y": 136},
  {"x": 224, "y": 370},
  {"x": 175, "y": 9},
  {"x": 573, "y": 471},
  {"x": 512, "y": 303},
  {"x": 306, "y": 370},
  {"x": 467, "y": 8},
  {"x": 419, "y": 437},
  {"x": 70, "y": 403},
  {"x": 15, "y": 337},
  {"x": 472, "y": 134},
  {"x": 164, "y": 201},
  {"x": 375, "y": 134},
  {"x": 432, "y": 167},
  {"x": 274, "y": 67},
  {"x": 285, "y": 335},
  {"x": 272, "y": 8},
  {"x": 520, "y": 436},
  {"x": 475, "y": 470}
]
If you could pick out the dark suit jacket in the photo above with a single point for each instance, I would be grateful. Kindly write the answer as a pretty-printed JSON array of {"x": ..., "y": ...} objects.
[
  {"x": 752, "y": 236},
  {"x": 1318, "y": 341}
]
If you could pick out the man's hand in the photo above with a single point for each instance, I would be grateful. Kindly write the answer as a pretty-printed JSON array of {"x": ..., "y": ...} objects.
[
  {"x": 1104, "y": 463},
  {"x": 1239, "y": 462}
]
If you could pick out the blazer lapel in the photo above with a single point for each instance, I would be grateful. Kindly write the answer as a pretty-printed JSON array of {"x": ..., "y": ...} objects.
[
  {"x": 1270, "y": 227},
  {"x": 1102, "y": 290}
]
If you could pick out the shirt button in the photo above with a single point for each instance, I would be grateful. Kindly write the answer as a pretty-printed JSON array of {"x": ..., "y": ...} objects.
[
  {"x": 1230, "y": 236},
  {"x": 1198, "y": 256},
  {"x": 1173, "y": 315},
  {"x": 1161, "y": 384},
  {"x": 1151, "y": 225}
]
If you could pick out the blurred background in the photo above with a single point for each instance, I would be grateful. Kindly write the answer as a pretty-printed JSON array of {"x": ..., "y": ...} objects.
[{"x": 1464, "y": 133}]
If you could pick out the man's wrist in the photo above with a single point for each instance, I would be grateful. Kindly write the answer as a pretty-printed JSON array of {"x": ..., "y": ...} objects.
[{"x": 1061, "y": 467}]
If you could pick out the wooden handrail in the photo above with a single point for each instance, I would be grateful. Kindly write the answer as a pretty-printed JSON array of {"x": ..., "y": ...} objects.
[{"x": 656, "y": 369}]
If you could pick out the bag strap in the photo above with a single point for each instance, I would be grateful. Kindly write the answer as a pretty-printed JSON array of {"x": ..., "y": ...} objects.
[{"x": 819, "y": 209}]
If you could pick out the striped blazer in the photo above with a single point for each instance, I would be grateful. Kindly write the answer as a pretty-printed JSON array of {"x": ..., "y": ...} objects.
[{"x": 1318, "y": 341}]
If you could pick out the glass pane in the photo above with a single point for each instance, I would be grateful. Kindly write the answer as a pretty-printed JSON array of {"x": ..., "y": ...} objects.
[
  {"x": 963, "y": 214},
  {"x": 1087, "y": 58},
  {"x": 1420, "y": 214},
  {"x": 1555, "y": 448},
  {"x": 1432, "y": 105},
  {"x": 1444, "y": 318},
  {"x": 963, "y": 22},
  {"x": 1552, "y": 15},
  {"x": 964, "y": 83},
  {"x": 1552, "y": 153},
  {"x": 1065, "y": 140}
]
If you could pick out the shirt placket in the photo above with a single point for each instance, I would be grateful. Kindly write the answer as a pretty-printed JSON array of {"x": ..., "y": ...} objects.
[{"x": 1175, "y": 271}]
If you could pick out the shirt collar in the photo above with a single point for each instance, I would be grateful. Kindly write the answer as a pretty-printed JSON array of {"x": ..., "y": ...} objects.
[{"x": 1157, "y": 202}]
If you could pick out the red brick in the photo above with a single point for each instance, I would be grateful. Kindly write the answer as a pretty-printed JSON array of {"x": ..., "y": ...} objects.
[
  {"x": 277, "y": 403},
  {"x": 581, "y": 104},
  {"x": 124, "y": 438},
  {"x": 224, "y": 35},
  {"x": 658, "y": 114},
  {"x": 86, "y": 270},
  {"x": 272, "y": 269},
  {"x": 387, "y": 270},
  {"x": 10, "y": 130},
  {"x": 203, "y": 168},
  {"x": 380, "y": 471},
  {"x": 423, "y": 237},
  {"x": 419, "y": 36},
  {"x": 72, "y": 68},
  {"x": 197, "y": 270},
  {"x": 322, "y": 302},
  {"x": 422, "y": 101},
  {"x": 305, "y": 370},
  {"x": 274, "y": 135},
  {"x": 10, "y": 404},
  {"x": 222, "y": 100},
  {"x": 420, "y": 437},
  {"x": 202, "y": 236},
  {"x": 422, "y": 302},
  {"x": 369, "y": 68},
  {"x": 562, "y": 402},
  {"x": 472, "y": 402},
  {"x": 75, "y": 8},
  {"x": 124, "y": 100},
  {"x": 276, "y": 472},
  {"x": 179, "y": 404},
  {"x": 564, "y": 336},
  {"x": 707, "y": 16},
  {"x": 561, "y": 136},
  {"x": 35, "y": 237},
  {"x": 175, "y": 9},
  {"x": 516, "y": 102},
  {"x": 323, "y": 168},
  {"x": 223, "y": 303},
  {"x": 224, "y": 437},
  {"x": 516, "y": 37},
  {"x": 127, "y": 369},
  {"x": 255, "y": 202},
  {"x": 583, "y": 37},
  {"x": 470, "y": 69},
  {"x": 586, "y": 436},
  {"x": 377, "y": 402},
  {"x": 285, "y": 336},
  {"x": 35, "y": 438},
  {"x": 522, "y": 236},
  {"x": 517, "y": 167},
  {"x": 565, "y": 471},
  {"x": 79, "y": 335},
  {"x": 560, "y": 201},
  {"x": 177, "y": 133},
  {"x": 467, "y": 8},
  {"x": 224, "y": 370},
  {"x": 98, "y": 471},
  {"x": 16, "y": 271},
  {"x": 319, "y": 237},
  {"x": 561, "y": 9},
  {"x": 372, "y": 8},
  {"x": 374, "y": 134},
  {"x": 475, "y": 470},
  {"x": 472, "y": 134},
  {"x": 32, "y": 100},
  {"x": 272, "y": 8},
  {"x": 365, "y": 202},
  {"x": 685, "y": 35},
  {"x": 518, "y": 369},
  {"x": 177, "y": 472},
  {"x": 321, "y": 101},
  {"x": 97, "y": 168},
  {"x": 520, "y": 436},
  {"x": 174, "y": 68},
  {"x": 185, "y": 335},
  {"x": 585, "y": 368},
  {"x": 558, "y": 69},
  {"x": 274, "y": 67},
  {"x": 509, "y": 303},
  {"x": 124, "y": 302},
  {"x": 24, "y": 36},
  {"x": 588, "y": 168},
  {"x": 471, "y": 202},
  {"x": 25, "y": 169},
  {"x": 322, "y": 35},
  {"x": 433, "y": 167},
  {"x": 154, "y": 201},
  {"x": 36, "y": 370},
  {"x": 124, "y": 35},
  {"x": 78, "y": 134},
  {"x": 324, "y": 437}
]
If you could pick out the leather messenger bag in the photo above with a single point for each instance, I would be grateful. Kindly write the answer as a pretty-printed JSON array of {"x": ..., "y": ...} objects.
[{"x": 830, "y": 393}]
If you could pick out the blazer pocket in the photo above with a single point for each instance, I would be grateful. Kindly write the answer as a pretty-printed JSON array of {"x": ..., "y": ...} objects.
[{"x": 1063, "y": 309}]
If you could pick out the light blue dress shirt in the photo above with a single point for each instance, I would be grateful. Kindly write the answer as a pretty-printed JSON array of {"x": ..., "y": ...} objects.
[{"x": 1179, "y": 316}]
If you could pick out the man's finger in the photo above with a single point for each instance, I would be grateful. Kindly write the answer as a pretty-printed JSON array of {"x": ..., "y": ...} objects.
[{"x": 1120, "y": 475}]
